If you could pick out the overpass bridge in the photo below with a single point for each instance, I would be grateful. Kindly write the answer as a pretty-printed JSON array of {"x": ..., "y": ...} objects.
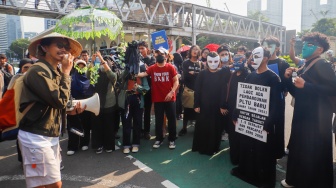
[{"x": 179, "y": 19}]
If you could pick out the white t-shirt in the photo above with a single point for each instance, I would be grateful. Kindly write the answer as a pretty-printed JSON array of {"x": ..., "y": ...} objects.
[{"x": 32, "y": 140}]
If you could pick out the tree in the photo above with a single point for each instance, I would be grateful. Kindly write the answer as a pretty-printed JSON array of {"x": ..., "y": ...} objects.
[
  {"x": 255, "y": 16},
  {"x": 326, "y": 26},
  {"x": 19, "y": 47}
]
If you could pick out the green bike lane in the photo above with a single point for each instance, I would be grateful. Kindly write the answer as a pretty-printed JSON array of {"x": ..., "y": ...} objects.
[{"x": 187, "y": 169}]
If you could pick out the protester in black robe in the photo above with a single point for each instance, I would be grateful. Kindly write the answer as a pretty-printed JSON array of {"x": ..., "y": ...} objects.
[
  {"x": 228, "y": 102},
  {"x": 310, "y": 160},
  {"x": 207, "y": 135},
  {"x": 278, "y": 66},
  {"x": 257, "y": 160}
]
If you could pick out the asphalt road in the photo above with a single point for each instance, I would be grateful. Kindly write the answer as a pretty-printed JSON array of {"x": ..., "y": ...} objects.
[{"x": 87, "y": 169}]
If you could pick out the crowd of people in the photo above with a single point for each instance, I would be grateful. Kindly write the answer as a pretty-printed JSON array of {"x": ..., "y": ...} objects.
[{"x": 199, "y": 85}]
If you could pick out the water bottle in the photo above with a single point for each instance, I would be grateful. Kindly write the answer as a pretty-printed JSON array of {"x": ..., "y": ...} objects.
[{"x": 294, "y": 75}]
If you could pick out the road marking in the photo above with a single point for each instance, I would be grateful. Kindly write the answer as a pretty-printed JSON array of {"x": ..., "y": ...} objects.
[
  {"x": 169, "y": 184},
  {"x": 142, "y": 166},
  {"x": 75, "y": 178}
]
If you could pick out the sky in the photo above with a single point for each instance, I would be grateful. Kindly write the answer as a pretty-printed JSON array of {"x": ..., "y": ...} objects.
[{"x": 291, "y": 14}]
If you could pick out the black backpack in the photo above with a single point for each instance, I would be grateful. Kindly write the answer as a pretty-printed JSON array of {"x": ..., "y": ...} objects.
[{"x": 7, "y": 77}]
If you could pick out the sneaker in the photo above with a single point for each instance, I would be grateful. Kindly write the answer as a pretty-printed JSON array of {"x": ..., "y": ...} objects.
[
  {"x": 284, "y": 184},
  {"x": 135, "y": 149},
  {"x": 182, "y": 132},
  {"x": 61, "y": 167},
  {"x": 286, "y": 151},
  {"x": 108, "y": 151},
  {"x": 70, "y": 152},
  {"x": 126, "y": 151},
  {"x": 157, "y": 144},
  {"x": 172, "y": 145},
  {"x": 147, "y": 136},
  {"x": 225, "y": 137},
  {"x": 99, "y": 150},
  {"x": 84, "y": 148}
]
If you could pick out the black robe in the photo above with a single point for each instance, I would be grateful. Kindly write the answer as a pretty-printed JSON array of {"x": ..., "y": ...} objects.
[
  {"x": 310, "y": 159},
  {"x": 208, "y": 128},
  {"x": 228, "y": 101},
  {"x": 257, "y": 159}
]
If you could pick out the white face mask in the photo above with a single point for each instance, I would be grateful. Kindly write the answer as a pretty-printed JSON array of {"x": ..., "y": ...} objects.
[
  {"x": 271, "y": 47},
  {"x": 213, "y": 62},
  {"x": 258, "y": 56}
]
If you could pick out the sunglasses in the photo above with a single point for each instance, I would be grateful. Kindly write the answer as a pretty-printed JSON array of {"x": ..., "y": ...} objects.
[{"x": 62, "y": 45}]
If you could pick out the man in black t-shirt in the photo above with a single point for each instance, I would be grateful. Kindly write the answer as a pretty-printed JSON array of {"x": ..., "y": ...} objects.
[{"x": 148, "y": 60}]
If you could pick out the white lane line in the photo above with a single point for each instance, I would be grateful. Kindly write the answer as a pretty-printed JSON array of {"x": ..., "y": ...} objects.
[
  {"x": 75, "y": 178},
  {"x": 142, "y": 166},
  {"x": 169, "y": 184}
]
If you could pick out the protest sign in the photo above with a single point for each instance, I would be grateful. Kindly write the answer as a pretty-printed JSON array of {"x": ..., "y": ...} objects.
[
  {"x": 159, "y": 39},
  {"x": 253, "y": 102}
]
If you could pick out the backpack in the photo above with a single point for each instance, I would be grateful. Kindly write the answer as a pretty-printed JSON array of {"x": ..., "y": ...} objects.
[
  {"x": 7, "y": 77},
  {"x": 10, "y": 115}
]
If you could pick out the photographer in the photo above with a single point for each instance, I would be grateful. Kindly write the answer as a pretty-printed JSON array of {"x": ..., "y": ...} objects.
[
  {"x": 103, "y": 136},
  {"x": 45, "y": 94}
]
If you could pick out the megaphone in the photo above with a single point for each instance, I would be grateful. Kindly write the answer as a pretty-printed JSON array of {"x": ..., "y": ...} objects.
[{"x": 92, "y": 104}]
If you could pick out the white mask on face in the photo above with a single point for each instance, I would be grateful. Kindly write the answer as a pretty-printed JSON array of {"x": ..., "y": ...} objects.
[
  {"x": 258, "y": 56},
  {"x": 213, "y": 62},
  {"x": 271, "y": 47}
]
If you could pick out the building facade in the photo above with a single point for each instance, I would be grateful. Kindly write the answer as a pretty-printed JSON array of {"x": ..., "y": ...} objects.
[
  {"x": 14, "y": 28},
  {"x": 29, "y": 35},
  {"x": 273, "y": 9},
  {"x": 48, "y": 23},
  {"x": 314, "y": 10},
  {"x": 3, "y": 34}
]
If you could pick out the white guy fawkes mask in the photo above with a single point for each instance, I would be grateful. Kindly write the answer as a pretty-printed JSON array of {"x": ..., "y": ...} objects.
[
  {"x": 258, "y": 56},
  {"x": 271, "y": 47},
  {"x": 213, "y": 62}
]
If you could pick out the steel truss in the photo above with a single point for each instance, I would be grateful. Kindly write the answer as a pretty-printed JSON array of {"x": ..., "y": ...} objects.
[{"x": 179, "y": 19}]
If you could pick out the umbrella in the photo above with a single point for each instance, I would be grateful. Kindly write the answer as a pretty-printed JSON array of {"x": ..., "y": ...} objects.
[
  {"x": 90, "y": 23},
  {"x": 212, "y": 47},
  {"x": 183, "y": 48}
]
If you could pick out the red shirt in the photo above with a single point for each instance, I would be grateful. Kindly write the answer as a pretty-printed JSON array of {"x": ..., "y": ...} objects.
[{"x": 162, "y": 81}]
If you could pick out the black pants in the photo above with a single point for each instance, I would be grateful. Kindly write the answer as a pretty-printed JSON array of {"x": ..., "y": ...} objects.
[
  {"x": 147, "y": 112},
  {"x": 103, "y": 130},
  {"x": 132, "y": 119},
  {"x": 117, "y": 115},
  {"x": 168, "y": 108},
  {"x": 81, "y": 122}
]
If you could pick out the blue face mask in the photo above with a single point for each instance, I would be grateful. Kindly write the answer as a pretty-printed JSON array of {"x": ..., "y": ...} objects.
[
  {"x": 239, "y": 62},
  {"x": 225, "y": 59},
  {"x": 308, "y": 49}
]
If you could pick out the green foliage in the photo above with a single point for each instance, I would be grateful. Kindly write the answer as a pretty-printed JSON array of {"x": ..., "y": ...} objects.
[
  {"x": 326, "y": 26},
  {"x": 19, "y": 47},
  {"x": 288, "y": 59},
  {"x": 113, "y": 26},
  {"x": 94, "y": 74}
]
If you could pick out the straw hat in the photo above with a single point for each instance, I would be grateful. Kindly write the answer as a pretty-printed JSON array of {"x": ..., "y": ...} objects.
[{"x": 76, "y": 47}]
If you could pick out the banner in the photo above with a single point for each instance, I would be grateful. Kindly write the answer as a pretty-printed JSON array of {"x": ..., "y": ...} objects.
[
  {"x": 159, "y": 39},
  {"x": 253, "y": 102}
]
